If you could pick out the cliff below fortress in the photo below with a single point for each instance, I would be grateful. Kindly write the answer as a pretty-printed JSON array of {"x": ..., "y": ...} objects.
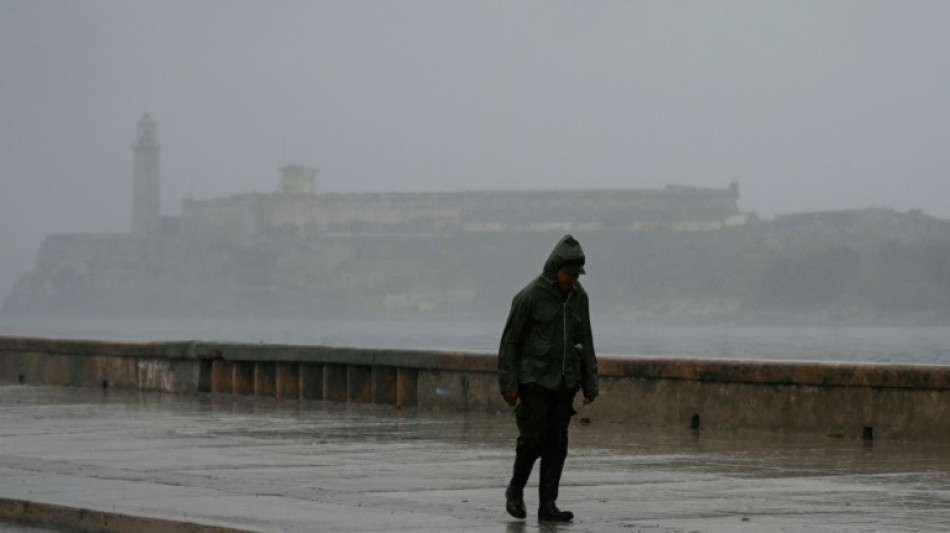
[{"x": 678, "y": 254}]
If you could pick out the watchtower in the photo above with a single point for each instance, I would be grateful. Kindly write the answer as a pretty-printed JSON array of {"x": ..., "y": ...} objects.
[
  {"x": 146, "y": 205},
  {"x": 297, "y": 179}
]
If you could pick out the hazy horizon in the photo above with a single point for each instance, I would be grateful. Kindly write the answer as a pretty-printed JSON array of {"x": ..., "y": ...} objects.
[{"x": 808, "y": 105}]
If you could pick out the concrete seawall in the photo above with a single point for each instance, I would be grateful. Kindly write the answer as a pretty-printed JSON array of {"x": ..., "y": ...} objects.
[{"x": 841, "y": 400}]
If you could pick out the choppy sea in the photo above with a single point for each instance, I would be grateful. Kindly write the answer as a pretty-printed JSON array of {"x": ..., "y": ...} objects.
[{"x": 878, "y": 344}]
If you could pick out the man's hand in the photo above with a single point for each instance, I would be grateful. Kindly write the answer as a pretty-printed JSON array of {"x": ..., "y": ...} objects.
[
  {"x": 589, "y": 399},
  {"x": 511, "y": 397}
]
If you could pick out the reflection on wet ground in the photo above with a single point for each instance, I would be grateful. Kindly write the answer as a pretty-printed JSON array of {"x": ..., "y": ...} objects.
[{"x": 374, "y": 468}]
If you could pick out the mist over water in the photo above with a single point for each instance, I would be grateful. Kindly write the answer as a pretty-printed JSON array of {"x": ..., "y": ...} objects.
[{"x": 854, "y": 344}]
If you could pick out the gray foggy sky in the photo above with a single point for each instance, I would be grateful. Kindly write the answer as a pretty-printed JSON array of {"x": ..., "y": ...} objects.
[{"x": 809, "y": 105}]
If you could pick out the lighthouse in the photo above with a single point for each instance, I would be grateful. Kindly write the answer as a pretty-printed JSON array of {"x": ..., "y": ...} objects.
[{"x": 146, "y": 206}]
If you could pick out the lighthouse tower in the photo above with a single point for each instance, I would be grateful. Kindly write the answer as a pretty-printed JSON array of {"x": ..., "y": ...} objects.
[{"x": 146, "y": 210}]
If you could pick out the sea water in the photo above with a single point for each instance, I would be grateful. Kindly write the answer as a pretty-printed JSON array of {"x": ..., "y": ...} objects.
[{"x": 875, "y": 344}]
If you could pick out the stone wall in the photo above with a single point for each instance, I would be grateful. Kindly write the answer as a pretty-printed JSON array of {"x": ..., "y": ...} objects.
[
  {"x": 245, "y": 218},
  {"x": 863, "y": 267},
  {"x": 833, "y": 400}
]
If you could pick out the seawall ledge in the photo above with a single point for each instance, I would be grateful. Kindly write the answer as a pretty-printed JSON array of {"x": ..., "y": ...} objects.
[
  {"x": 904, "y": 402},
  {"x": 829, "y": 374},
  {"x": 832, "y": 374}
]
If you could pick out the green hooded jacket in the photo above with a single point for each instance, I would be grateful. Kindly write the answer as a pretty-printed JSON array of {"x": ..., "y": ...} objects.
[{"x": 548, "y": 337}]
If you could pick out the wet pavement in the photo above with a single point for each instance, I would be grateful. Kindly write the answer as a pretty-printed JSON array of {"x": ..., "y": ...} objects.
[
  {"x": 278, "y": 466},
  {"x": 26, "y": 528}
]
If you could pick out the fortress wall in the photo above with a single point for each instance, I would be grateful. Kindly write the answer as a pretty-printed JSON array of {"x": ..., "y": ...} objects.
[
  {"x": 837, "y": 400},
  {"x": 245, "y": 217},
  {"x": 237, "y": 219},
  {"x": 863, "y": 226},
  {"x": 71, "y": 269},
  {"x": 77, "y": 250},
  {"x": 620, "y": 207},
  {"x": 336, "y": 210}
]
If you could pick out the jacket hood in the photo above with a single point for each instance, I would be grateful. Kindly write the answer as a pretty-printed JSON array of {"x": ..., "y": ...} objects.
[{"x": 566, "y": 249}]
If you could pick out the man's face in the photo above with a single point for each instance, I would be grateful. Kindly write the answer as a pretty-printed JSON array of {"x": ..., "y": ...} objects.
[{"x": 565, "y": 281}]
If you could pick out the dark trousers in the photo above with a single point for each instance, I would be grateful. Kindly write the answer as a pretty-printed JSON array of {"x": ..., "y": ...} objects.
[{"x": 543, "y": 416}]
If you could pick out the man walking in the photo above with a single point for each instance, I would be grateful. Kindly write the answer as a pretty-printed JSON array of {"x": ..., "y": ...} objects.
[{"x": 546, "y": 356}]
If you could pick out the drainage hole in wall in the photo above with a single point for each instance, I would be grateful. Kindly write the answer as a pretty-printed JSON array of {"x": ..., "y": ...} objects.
[{"x": 694, "y": 422}]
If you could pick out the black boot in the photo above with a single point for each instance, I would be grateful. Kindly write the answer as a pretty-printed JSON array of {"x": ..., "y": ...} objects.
[
  {"x": 551, "y": 467},
  {"x": 514, "y": 494},
  {"x": 550, "y": 513},
  {"x": 514, "y": 502}
]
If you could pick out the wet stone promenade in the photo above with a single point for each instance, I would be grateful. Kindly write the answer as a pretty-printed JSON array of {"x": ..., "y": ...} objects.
[{"x": 278, "y": 466}]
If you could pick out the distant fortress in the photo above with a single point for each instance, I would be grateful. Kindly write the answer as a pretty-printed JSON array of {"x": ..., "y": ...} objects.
[
  {"x": 674, "y": 254},
  {"x": 297, "y": 209}
]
